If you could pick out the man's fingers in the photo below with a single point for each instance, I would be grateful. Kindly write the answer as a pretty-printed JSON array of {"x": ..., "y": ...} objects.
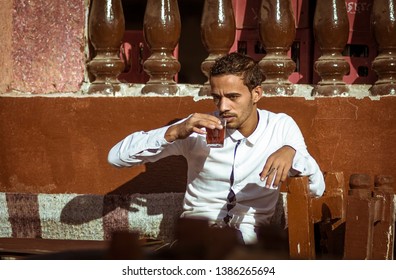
[
  {"x": 198, "y": 130},
  {"x": 275, "y": 176},
  {"x": 271, "y": 170},
  {"x": 277, "y": 167},
  {"x": 279, "y": 177},
  {"x": 205, "y": 120},
  {"x": 266, "y": 172}
]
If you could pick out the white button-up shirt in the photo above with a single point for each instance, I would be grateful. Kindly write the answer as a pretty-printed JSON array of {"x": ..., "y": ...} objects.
[{"x": 209, "y": 169}]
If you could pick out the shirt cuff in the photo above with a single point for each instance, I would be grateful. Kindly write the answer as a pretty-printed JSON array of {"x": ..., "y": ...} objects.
[
  {"x": 307, "y": 166},
  {"x": 299, "y": 164}
]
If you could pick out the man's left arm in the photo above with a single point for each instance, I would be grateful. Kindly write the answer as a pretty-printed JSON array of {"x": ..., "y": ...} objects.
[
  {"x": 293, "y": 159},
  {"x": 303, "y": 163}
]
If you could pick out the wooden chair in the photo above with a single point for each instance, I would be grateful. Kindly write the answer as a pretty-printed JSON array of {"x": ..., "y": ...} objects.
[
  {"x": 370, "y": 219},
  {"x": 360, "y": 218},
  {"x": 304, "y": 211}
]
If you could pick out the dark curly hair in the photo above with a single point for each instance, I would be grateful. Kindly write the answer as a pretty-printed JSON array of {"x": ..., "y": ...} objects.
[{"x": 240, "y": 65}]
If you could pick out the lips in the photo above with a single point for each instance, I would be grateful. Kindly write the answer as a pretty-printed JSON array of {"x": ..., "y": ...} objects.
[{"x": 228, "y": 118}]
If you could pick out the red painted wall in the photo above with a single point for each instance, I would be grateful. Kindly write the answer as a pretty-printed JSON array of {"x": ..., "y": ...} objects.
[{"x": 60, "y": 145}]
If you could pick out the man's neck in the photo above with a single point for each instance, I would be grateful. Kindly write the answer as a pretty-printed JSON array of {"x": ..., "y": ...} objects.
[{"x": 251, "y": 125}]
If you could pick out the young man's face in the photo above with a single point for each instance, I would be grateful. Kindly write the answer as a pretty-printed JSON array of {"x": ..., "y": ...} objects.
[{"x": 235, "y": 102}]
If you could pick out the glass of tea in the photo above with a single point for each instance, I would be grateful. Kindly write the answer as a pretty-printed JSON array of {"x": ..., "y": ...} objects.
[{"x": 215, "y": 137}]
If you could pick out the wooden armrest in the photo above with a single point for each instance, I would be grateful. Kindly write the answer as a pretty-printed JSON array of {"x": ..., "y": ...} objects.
[{"x": 303, "y": 211}]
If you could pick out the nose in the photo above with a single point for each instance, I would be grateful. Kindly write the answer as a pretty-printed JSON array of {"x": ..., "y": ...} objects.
[{"x": 223, "y": 105}]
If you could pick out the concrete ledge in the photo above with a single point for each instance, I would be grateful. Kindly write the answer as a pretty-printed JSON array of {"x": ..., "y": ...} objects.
[{"x": 358, "y": 91}]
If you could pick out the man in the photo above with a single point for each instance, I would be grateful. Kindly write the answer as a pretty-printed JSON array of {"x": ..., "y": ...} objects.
[{"x": 236, "y": 185}]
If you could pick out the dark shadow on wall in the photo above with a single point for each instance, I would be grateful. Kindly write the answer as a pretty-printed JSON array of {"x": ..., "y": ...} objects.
[
  {"x": 138, "y": 192},
  {"x": 166, "y": 176}
]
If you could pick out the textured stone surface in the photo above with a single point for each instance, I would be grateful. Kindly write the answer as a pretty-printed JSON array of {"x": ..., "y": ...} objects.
[
  {"x": 86, "y": 217},
  {"x": 5, "y": 45},
  {"x": 48, "y": 46},
  {"x": 5, "y": 226},
  {"x": 82, "y": 217},
  {"x": 61, "y": 221}
]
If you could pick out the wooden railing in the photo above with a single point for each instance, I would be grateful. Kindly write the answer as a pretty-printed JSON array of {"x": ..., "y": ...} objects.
[{"x": 162, "y": 31}]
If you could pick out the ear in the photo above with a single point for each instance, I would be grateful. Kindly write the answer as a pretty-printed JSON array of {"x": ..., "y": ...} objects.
[{"x": 257, "y": 93}]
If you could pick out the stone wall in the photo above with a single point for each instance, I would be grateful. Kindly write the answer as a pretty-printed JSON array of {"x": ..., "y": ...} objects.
[{"x": 42, "y": 46}]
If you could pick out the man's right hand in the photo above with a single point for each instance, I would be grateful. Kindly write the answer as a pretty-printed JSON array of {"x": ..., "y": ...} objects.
[{"x": 192, "y": 124}]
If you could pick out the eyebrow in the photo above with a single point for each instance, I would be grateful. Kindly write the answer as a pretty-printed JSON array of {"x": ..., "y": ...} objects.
[{"x": 226, "y": 94}]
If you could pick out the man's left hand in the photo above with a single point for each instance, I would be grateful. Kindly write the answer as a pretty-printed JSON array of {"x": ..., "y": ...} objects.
[{"x": 277, "y": 166}]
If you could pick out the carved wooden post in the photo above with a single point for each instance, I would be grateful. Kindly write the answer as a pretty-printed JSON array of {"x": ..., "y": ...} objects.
[
  {"x": 161, "y": 27},
  {"x": 106, "y": 28},
  {"x": 384, "y": 28},
  {"x": 331, "y": 30},
  {"x": 384, "y": 230},
  {"x": 217, "y": 34},
  {"x": 329, "y": 211},
  {"x": 304, "y": 211},
  {"x": 370, "y": 222},
  {"x": 300, "y": 223},
  {"x": 277, "y": 33},
  {"x": 360, "y": 218}
]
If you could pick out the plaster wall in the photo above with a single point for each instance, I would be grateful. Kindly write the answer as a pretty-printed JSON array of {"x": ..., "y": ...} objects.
[
  {"x": 54, "y": 138},
  {"x": 60, "y": 144},
  {"x": 42, "y": 45}
]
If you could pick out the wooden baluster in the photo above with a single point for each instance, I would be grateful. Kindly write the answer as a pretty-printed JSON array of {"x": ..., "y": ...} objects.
[
  {"x": 277, "y": 32},
  {"x": 106, "y": 28},
  {"x": 217, "y": 34},
  {"x": 384, "y": 28},
  {"x": 161, "y": 27},
  {"x": 331, "y": 30},
  {"x": 360, "y": 217},
  {"x": 384, "y": 230}
]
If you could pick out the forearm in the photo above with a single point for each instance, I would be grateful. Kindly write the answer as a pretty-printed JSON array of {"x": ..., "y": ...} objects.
[
  {"x": 171, "y": 133},
  {"x": 138, "y": 148}
]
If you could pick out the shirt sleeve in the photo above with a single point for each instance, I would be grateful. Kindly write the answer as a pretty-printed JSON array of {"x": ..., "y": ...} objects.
[
  {"x": 141, "y": 147},
  {"x": 303, "y": 163}
]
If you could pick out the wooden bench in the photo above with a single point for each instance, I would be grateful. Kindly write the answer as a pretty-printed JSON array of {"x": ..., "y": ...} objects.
[
  {"x": 123, "y": 245},
  {"x": 26, "y": 247}
]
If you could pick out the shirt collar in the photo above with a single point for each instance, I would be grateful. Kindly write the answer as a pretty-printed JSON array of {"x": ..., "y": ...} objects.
[{"x": 253, "y": 138}]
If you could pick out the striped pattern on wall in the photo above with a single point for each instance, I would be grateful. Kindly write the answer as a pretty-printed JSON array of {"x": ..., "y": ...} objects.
[
  {"x": 87, "y": 216},
  {"x": 96, "y": 217}
]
